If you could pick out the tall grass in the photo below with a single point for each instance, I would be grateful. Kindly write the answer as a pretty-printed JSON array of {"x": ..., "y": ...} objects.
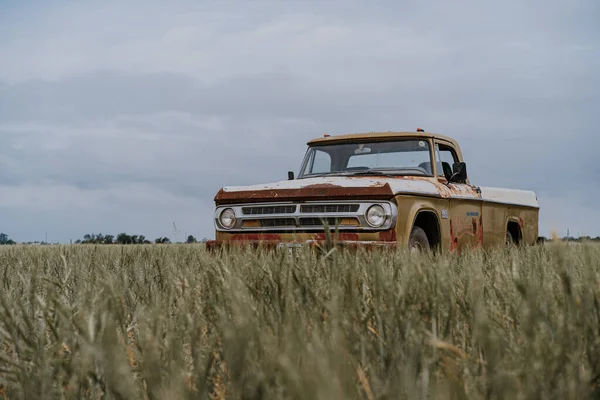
[{"x": 175, "y": 322}]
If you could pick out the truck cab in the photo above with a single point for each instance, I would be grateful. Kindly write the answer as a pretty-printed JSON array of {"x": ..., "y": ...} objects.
[{"x": 408, "y": 189}]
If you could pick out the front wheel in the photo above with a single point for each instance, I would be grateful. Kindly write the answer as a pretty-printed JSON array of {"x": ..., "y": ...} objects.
[
  {"x": 418, "y": 242},
  {"x": 510, "y": 241}
]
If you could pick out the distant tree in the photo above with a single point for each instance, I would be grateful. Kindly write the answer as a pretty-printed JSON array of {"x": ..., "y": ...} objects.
[
  {"x": 123, "y": 238},
  {"x": 6, "y": 240},
  {"x": 109, "y": 239},
  {"x": 141, "y": 239},
  {"x": 162, "y": 240},
  {"x": 191, "y": 239},
  {"x": 92, "y": 238}
]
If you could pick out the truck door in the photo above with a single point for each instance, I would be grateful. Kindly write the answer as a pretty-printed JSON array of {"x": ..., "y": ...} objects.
[{"x": 465, "y": 228}]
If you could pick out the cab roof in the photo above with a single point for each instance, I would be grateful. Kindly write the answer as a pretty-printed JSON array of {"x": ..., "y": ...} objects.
[{"x": 380, "y": 136}]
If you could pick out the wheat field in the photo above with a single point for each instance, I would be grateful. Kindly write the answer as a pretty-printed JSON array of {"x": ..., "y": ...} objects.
[{"x": 177, "y": 322}]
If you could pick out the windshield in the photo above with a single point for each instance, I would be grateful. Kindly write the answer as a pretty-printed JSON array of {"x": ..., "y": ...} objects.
[{"x": 394, "y": 157}]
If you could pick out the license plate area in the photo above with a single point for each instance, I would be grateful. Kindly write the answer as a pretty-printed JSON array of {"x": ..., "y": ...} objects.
[{"x": 291, "y": 247}]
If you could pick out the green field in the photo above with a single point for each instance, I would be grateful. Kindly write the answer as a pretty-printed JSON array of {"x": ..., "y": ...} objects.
[{"x": 175, "y": 322}]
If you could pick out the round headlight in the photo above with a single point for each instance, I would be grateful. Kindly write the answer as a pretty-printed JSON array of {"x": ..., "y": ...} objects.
[
  {"x": 227, "y": 218},
  {"x": 375, "y": 216}
]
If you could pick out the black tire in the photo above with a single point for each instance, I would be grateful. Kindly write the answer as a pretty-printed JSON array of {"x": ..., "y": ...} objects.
[
  {"x": 418, "y": 240},
  {"x": 510, "y": 241}
]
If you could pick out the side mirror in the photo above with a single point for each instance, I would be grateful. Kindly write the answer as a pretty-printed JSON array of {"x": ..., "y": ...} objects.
[
  {"x": 290, "y": 175},
  {"x": 459, "y": 172}
]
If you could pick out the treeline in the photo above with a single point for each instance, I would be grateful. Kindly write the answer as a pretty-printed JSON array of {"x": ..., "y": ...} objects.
[
  {"x": 99, "y": 238},
  {"x": 124, "y": 238},
  {"x": 121, "y": 238},
  {"x": 578, "y": 239}
]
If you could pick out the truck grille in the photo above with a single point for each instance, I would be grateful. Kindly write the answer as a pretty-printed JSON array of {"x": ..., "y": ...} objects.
[
  {"x": 277, "y": 222},
  {"x": 305, "y": 217},
  {"x": 329, "y": 208},
  {"x": 268, "y": 210},
  {"x": 329, "y": 221}
]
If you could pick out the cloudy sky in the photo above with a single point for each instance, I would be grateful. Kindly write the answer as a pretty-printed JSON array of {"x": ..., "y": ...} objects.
[{"x": 129, "y": 117}]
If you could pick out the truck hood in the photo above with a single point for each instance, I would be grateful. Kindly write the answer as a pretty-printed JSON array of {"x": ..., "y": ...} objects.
[
  {"x": 335, "y": 187},
  {"x": 308, "y": 189},
  {"x": 371, "y": 188}
]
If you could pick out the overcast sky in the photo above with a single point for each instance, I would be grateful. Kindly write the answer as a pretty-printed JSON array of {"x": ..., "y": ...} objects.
[{"x": 129, "y": 118}]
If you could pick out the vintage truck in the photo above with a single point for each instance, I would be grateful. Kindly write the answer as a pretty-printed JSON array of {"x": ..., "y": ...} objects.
[{"x": 377, "y": 189}]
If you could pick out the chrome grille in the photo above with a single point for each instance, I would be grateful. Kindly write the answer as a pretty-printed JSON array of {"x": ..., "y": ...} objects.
[
  {"x": 268, "y": 210},
  {"x": 329, "y": 208},
  {"x": 276, "y": 222},
  {"x": 319, "y": 221}
]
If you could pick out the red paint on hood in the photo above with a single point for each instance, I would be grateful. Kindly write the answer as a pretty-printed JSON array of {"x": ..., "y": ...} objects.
[{"x": 311, "y": 192}]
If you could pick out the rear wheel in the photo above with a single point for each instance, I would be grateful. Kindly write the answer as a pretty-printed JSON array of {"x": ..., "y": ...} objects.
[{"x": 418, "y": 242}]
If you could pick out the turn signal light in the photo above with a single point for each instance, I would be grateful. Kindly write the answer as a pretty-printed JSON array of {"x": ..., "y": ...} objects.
[{"x": 251, "y": 224}]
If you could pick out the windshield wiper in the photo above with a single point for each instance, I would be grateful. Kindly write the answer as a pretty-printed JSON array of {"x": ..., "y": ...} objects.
[
  {"x": 370, "y": 172},
  {"x": 320, "y": 174}
]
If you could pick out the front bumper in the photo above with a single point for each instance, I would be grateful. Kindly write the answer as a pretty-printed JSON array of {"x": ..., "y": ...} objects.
[
  {"x": 274, "y": 244},
  {"x": 274, "y": 240}
]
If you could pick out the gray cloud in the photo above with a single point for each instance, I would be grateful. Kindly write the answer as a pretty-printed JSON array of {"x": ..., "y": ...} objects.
[{"x": 138, "y": 126}]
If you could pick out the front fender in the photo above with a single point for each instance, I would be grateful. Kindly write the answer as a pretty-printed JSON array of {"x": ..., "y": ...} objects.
[{"x": 408, "y": 209}]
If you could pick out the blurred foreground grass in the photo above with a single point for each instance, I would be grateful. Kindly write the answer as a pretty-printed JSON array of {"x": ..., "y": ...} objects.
[{"x": 174, "y": 322}]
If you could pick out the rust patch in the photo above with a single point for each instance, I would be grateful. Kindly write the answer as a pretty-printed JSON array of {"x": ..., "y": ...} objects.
[
  {"x": 446, "y": 190},
  {"x": 466, "y": 227},
  {"x": 453, "y": 190},
  {"x": 339, "y": 236},
  {"x": 480, "y": 232},
  {"x": 388, "y": 236},
  {"x": 313, "y": 192},
  {"x": 453, "y": 239},
  {"x": 255, "y": 236}
]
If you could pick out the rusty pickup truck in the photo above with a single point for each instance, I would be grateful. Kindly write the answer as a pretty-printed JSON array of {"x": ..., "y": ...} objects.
[{"x": 377, "y": 189}]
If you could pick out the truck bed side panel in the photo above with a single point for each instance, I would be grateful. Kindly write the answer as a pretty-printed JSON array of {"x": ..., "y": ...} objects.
[{"x": 503, "y": 205}]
